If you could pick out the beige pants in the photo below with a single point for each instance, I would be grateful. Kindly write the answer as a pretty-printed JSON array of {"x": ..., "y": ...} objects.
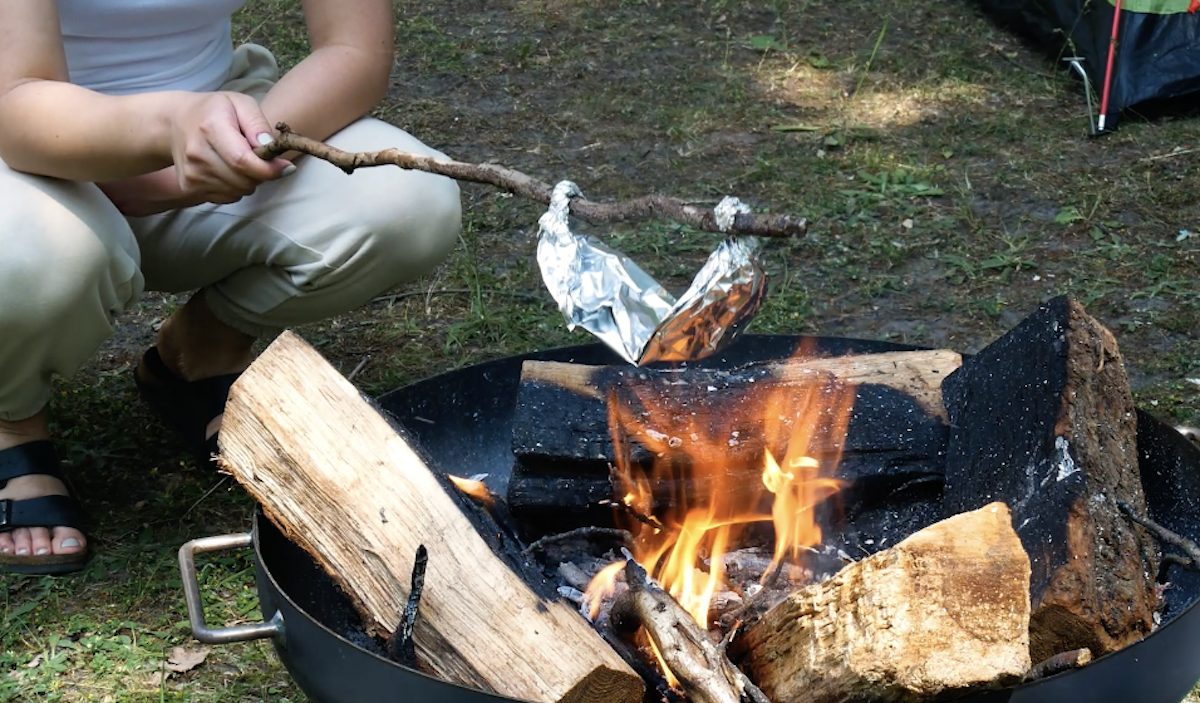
[{"x": 309, "y": 246}]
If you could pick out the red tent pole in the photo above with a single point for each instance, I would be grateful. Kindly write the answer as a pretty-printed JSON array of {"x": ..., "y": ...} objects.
[{"x": 1112, "y": 48}]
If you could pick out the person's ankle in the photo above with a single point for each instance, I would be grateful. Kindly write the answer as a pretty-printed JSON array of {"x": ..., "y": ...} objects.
[{"x": 194, "y": 344}]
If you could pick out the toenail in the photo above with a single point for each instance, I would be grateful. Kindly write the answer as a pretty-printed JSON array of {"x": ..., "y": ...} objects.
[
  {"x": 70, "y": 542},
  {"x": 43, "y": 551},
  {"x": 5, "y": 550},
  {"x": 22, "y": 551}
]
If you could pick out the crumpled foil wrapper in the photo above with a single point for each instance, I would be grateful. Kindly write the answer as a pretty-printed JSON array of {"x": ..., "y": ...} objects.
[{"x": 606, "y": 293}]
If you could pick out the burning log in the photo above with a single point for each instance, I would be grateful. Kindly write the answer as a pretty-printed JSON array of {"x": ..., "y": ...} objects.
[
  {"x": 944, "y": 611},
  {"x": 341, "y": 483},
  {"x": 563, "y": 441},
  {"x": 1044, "y": 421}
]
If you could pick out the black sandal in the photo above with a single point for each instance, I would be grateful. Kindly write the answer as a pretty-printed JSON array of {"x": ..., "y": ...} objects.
[
  {"x": 186, "y": 406},
  {"x": 50, "y": 511}
]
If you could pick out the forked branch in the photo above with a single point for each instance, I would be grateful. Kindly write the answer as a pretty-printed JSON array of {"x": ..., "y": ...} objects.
[{"x": 518, "y": 183}]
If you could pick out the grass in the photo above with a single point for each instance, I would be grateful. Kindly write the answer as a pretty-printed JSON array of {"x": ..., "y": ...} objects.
[{"x": 943, "y": 167}]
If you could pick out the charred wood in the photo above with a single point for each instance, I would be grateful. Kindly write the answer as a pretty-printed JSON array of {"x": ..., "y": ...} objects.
[
  {"x": 400, "y": 645},
  {"x": 1043, "y": 419},
  {"x": 1063, "y": 661},
  {"x": 565, "y": 449}
]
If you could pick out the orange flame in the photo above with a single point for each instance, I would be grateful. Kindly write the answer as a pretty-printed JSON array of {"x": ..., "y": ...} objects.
[
  {"x": 603, "y": 585},
  {"x": 721, "y": 449},
  {"x": 473, "y": 488}
]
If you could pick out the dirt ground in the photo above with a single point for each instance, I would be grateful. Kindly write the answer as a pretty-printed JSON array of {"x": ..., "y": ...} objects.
[{"x": 944, "y": 165}]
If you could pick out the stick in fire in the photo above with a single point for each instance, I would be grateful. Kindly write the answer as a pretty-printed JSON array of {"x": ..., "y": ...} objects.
[
  {"x": 521, "y": 184},
  {"x": 1191, "y": 550},
  {"x": 400, "y": 647},
  {"x": 703, "y": 669}
]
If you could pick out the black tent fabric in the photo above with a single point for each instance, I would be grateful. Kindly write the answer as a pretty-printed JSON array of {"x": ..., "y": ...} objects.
[{"x": 1156, "y": 54}]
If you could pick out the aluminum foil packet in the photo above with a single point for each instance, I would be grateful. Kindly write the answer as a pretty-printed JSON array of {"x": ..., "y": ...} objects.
[{"x": 607, "y": 294}]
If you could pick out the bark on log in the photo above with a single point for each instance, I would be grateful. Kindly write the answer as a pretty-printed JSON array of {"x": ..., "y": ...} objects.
[
  {"x": 340, "y": 482},
  {"x": 944, "y": 611},
  {"x": 1044, "y": 421},
  {"x": 564, "y": 447}
]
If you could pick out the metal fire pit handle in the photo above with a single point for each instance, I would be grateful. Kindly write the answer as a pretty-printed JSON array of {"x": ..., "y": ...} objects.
[{"x": 195, "y": 606}]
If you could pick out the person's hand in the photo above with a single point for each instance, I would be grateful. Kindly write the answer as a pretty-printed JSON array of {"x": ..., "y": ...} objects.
[
  {"x": 213, "y": 137},
  {"x": 149, "y": 193}
]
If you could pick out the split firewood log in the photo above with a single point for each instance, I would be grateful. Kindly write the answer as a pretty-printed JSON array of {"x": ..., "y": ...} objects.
[
  {"x": 344, "y": 485},
  {"x": 944, "y": 612},
  {"x": 1043, "y": 419}
]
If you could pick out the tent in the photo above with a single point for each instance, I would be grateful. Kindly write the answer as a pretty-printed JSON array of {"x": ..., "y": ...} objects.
[{"x": 1129, "y": 51}]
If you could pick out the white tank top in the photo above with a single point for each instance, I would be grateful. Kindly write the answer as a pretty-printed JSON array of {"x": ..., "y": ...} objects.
[{"x": 136, "y": 46}]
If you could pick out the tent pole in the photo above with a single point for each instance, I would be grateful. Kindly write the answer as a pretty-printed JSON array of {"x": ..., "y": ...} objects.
[{"x": 1112, "y": 47}]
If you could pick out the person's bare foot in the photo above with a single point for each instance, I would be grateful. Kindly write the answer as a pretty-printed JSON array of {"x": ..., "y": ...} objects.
[{"x": 35, "y": 541}]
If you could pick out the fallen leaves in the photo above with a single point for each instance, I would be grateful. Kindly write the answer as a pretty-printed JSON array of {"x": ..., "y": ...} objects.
[{"x": 183, "y": 659}]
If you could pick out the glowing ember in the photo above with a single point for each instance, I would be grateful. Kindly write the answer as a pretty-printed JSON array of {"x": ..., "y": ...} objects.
[
  {"x": 803, "y": 423},
  {"x": 475, "y": 489}
]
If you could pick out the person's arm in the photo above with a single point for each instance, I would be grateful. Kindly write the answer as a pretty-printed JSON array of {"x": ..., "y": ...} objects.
[
  {"x": 344, "y": 76},
  {"x": 50, "y": 127}
]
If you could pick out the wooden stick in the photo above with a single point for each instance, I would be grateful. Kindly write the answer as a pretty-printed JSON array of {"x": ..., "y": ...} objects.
[
  {"x": 703, "y": 670},
  {"x": 1063, "y": 661},
  {"x": 642, "y": 208},
  {"x": 1167, "y": 537},
  {"x": 400, "y": 645}
]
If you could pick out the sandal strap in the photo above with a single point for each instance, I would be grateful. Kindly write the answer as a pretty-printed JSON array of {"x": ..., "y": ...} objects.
[
  {"x": 46, "y": 511},
  {"x": 36, "y": 457},
  {"x": 186, "y": 405}
]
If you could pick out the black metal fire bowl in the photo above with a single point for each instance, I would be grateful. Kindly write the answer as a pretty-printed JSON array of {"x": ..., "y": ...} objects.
[{"x": 461, "y": 421}]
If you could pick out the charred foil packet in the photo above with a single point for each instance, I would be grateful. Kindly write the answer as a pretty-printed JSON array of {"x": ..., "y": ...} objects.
[{"x": 607, "y": 294}]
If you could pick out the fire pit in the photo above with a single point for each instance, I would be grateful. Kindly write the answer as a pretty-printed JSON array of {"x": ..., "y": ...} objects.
[{"x": 462, "y": 422}]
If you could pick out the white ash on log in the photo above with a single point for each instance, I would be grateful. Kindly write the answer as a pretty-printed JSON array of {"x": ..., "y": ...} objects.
[
  {"x": 564, "y": 449},
  {"x": 1043, "y": 419},
  {"x": 341, "y": 483},
  {"x": 943, "y": 612}
]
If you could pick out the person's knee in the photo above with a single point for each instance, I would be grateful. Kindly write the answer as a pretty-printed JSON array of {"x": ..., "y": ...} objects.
[
  {"x": 414, "y": 233},
  {"x": 44, "y": 277}
]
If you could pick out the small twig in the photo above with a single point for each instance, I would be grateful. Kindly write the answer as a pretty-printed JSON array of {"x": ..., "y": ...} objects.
[
  {"x": 358, "y": 369},
  {"x": 400, "y": 646},
  {"x": 1058, "y": 663},
  {"x": 585, "y": 531},
  {"x": 1190, "y": 548},
  {"x": 1168, "y": 155},
  {"x": 648, "y": 520},
  {"x": 642, "y": 208}
]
